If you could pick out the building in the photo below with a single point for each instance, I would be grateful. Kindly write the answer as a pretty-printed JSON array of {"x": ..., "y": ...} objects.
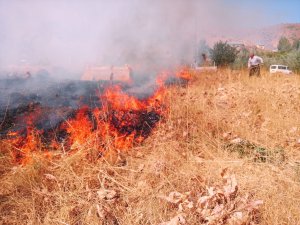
[
  {"x": 96, "y": 73},
  {"x": 260, "y": 46},
  {"x": 237, "y": 45}
]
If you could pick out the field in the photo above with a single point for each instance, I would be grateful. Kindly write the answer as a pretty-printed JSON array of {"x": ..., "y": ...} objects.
[{"x": 223, "y": 126}]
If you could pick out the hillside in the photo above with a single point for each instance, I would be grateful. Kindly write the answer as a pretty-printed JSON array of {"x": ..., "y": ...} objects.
[
  {"x": 226, "y": 152},
  {"x": 268, "y": 36}
]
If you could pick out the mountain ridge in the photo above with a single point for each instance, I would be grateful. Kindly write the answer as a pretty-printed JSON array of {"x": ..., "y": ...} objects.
[{"x": 267, "y": 36}]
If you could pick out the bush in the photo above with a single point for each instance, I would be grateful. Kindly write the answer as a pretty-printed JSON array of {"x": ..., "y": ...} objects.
[
  {"x": 284, "y": 45},
  {"x": 296, "y": 44},
  {"x": 223, "y": 54},
  {"x": 241, "y": 60},
  {"x": 291, "y": 59}
]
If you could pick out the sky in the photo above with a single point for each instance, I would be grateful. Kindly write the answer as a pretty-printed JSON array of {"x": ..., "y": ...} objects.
[
  {"x": 72, "y": 34},
  {"x": 274, "y": 11},
  {"x": 286, "y": 11}
]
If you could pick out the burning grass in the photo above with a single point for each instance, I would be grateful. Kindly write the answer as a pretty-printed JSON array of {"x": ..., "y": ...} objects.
[
  {"x": 121, "y": 121},
  {"x": 222, "y": 120}
]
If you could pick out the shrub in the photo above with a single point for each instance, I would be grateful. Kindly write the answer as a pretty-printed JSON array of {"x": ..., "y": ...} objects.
[
  {"x": 284, "y": 45},
  {"x": 296, "y": 44},
  {"x": 291, "y": 59},
  {"x": 223, "y": 54},
  {"x": 241, "y": 60}
]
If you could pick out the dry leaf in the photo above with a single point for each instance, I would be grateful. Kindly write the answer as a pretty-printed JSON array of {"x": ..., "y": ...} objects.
[
  {"x": 141, "y": 167},
  {"x": 218, "y": 205},
  {"x": 236, "y": 141},
  {"x": 185, "y": 205},
  {"x": 211, "y": 191},
  {"x": 253, "y": 205},
  {"x": 237, "y": 218},
  {"x": 174, "y": 197},
  {"x": 100, "y": 211},
  {"x": 188, "y": 204},
  {"x": 50, "y": 176},
  {"x": 203, "y": 199},
  {"x": 177, "y": 220},
  {"x": 230, "y": 187},
  {"x": 107, "y": 194}
]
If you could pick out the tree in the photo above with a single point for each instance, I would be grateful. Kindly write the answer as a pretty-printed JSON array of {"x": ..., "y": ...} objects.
[
  {"x": 284, "y": 45},
  {"x": 241, "y": 60},
  {"x": 293, "y": 61},
  {"x": 223, "y": 54},
  {"x": 296, "y": 44}
]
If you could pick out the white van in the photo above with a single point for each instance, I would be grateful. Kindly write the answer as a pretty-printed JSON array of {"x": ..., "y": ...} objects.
[{"x": 280, "y": 69}]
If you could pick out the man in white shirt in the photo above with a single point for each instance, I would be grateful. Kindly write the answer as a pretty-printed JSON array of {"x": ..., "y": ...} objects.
[{"x": 254, "y": 65}]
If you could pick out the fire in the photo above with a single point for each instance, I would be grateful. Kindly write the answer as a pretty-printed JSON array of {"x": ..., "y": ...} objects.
[
  {"x": 113, "y": 97},
  {"x": 121, "y": 122},
  {"x": 162, "y": 77},
  {"x": 79, "y": 128},
  {"x": 24, "y": 146},
  {"x": 184, "y": 73}
]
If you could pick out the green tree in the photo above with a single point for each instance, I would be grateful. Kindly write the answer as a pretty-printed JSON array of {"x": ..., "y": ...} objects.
[
  {"x": 284, "y": 45},
  {"x": 296, "y": 44},
  {"x": 241, "y": 60},
  {"x": 293, "y": 61},
  {"x": 223, "y": 54}
]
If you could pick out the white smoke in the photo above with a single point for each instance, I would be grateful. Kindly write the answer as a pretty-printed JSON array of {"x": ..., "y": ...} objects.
[{"x": 148, "y": 35}]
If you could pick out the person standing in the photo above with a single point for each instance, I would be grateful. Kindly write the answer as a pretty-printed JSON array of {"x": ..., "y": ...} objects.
[{"x": 254, "y": 65}]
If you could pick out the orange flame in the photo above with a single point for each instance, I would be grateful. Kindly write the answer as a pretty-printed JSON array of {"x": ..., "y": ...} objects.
[
  {"x": 25, "y": 144},
  {"x": 79, "y": 128},
  {"x": 115, "y": 125},
  {"x": 184, "y": 73}
]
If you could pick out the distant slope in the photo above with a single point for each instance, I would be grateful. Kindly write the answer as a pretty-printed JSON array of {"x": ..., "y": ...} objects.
[{"x": 268, "y": 36}]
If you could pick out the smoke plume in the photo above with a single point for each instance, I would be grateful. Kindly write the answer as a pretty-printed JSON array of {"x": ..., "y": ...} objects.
[{"x": 148, "y": 35}]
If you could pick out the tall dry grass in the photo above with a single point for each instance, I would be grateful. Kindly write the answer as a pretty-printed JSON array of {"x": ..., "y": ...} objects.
[{"x": 221, "y": 120}]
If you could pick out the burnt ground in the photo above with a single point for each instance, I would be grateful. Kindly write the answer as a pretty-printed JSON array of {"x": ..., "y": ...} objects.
[
  {"x": 50, "y": 101},
  {"x": 45, "y": 104}
]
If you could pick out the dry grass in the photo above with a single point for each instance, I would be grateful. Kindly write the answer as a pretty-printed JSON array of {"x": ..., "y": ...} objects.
[{"x": 186, "y": 152}]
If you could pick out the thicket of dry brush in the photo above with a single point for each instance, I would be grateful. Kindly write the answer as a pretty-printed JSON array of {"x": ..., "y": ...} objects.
[{"x": 251, "y": 126}]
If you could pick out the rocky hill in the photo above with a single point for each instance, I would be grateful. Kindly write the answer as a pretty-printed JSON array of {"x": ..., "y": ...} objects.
[{"x": 267, "y": 36}]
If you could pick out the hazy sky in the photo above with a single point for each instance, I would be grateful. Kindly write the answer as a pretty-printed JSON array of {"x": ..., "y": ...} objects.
[
  {"x": 277, "y": 11},
  {"x": 144, "y": 33}
]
